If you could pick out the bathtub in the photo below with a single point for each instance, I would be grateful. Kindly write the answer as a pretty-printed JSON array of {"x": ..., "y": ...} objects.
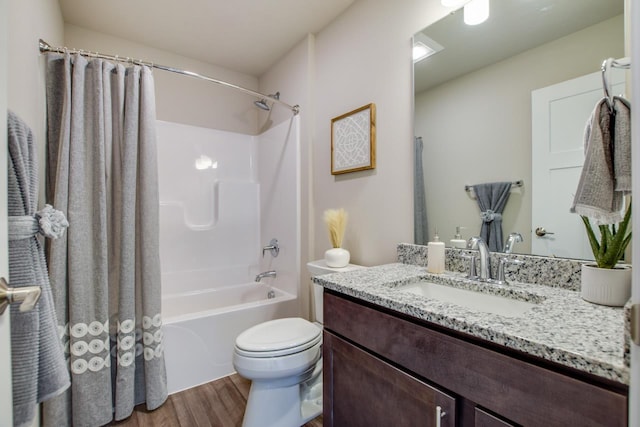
[{"x": 200, "y": 328}]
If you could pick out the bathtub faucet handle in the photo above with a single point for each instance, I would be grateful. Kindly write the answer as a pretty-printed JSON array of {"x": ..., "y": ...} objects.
[
  {"x": 273, "y": 247},
  {"x": 271, "y": 273}
]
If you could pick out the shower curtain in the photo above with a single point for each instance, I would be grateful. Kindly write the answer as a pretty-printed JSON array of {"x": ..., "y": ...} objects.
[
  {"x": 420, "y": 228},
  {"x": 105, "y": 271}
]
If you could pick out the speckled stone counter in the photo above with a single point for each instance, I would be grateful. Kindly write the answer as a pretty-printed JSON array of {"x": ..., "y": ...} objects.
[{"x": 561, "y": 327}]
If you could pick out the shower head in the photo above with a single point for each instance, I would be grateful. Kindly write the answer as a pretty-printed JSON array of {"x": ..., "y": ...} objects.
[{"x": 262, "y": 104}]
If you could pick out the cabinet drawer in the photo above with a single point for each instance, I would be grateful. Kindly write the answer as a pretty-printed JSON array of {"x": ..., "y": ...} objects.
[
  {"x": 517, "y": 390},
  {"x": 370, "y": 392}
]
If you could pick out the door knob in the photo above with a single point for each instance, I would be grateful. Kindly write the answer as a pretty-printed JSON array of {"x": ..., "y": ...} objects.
[
  {"x": 541, "y": 232},
  {"x": 28, "y": 296}
]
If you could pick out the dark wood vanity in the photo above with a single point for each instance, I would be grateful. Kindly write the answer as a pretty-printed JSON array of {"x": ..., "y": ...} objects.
[{"x": 384, "y": 368}]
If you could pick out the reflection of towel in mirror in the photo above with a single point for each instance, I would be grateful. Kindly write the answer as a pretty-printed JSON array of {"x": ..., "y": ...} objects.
[
  {"x": 622, "y": 145},
  {"x": 598, "y": 196},
  {"x": 38, "y": 364},
  {"x": 492, "y": 198}
]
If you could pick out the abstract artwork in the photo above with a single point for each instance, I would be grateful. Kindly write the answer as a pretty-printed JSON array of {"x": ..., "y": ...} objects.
[{"x": 353, "y": 140}]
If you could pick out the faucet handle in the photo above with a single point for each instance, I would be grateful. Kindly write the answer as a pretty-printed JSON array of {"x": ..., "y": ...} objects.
[
  {"x": 273, "y": 247},
  {"x": 504, "y": 261},
  {"x": 472, "y": 265}
]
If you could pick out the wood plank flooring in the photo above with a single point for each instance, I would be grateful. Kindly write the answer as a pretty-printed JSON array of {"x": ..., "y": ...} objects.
[{"x": 219, "y": 403}]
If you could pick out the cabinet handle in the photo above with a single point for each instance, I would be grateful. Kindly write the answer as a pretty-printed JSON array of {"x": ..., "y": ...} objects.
[{"x": 439, "y": 414}]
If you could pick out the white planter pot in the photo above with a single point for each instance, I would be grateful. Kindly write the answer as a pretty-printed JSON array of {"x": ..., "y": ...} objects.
[
  {"x": 606, "y": 286},
  {"x": 337, "y": 257}
]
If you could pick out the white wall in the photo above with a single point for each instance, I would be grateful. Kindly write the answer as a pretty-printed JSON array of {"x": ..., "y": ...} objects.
[
  {"x": 292, "y": 75},
  {"x": 28, "y": 21},
  {"x": 279, "y": 178},
  {"x": 365, "y": 56},
  {"x": 6, "y": 398},
  {"x": 214, "y": 220},
  {"x": 209, "y": 216},
  {"x": 477, "y": 128},
  {"x": 31, "y": 20},
  {"x": 179, "y": 98}
]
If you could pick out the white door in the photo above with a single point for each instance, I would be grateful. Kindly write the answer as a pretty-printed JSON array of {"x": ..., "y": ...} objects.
[
  {"x": 6, "y": 400},
  {"x": 558, "y": 117}
]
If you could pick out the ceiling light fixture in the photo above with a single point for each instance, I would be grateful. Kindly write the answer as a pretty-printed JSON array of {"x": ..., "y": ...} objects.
[
  {"x": 423, "y": 47},
  {"x": 476, "y": 12},
  {"x": 421, "y": 51}
]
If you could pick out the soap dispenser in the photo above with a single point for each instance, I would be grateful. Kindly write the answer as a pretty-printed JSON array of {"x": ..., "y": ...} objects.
[
  {"x": 435, "y": 255},
  {"x": 458, "y": 241}
]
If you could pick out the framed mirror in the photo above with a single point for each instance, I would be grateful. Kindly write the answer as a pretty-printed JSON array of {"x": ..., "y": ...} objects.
[{"x": 473, "y": 104}]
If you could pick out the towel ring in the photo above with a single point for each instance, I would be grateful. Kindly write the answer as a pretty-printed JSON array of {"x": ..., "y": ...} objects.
[{"x": 606, "y": 83}]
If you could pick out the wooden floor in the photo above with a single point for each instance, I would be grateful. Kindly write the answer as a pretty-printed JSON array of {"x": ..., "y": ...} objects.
[{"x": 219, "y": 403}]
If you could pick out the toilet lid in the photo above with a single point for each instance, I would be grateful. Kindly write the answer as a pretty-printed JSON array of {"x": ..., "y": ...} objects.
[{"x": 280, "y": 336}]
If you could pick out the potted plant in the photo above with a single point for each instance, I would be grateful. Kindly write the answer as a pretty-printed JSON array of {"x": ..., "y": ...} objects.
[
  {"x": 336, "y": 220},
  {"x": 607, "y": 282}
]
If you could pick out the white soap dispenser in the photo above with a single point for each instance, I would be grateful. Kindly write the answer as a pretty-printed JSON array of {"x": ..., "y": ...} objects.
[
  {"x": 435, "y": 255},
  {"x": 458, "y": 241}
]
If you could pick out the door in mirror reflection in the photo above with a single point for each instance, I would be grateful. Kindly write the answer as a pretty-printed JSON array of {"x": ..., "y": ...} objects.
[{"x": 558, "y": 116}]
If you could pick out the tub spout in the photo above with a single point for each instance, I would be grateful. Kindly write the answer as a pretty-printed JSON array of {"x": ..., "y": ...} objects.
[{"x": 271, "y": 273}]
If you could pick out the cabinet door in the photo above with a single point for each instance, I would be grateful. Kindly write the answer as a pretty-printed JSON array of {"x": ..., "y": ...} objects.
[{"x": 362, "y": 390}]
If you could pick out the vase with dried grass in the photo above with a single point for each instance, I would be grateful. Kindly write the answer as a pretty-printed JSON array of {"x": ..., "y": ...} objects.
[{"x": 336, "y": 221}]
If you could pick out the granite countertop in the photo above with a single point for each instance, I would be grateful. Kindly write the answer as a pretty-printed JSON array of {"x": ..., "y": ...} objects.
[{"x": 561, "y": 327}]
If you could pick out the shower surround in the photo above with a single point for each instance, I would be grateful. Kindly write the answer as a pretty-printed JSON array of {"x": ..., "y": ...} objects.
[{"x": 223, "y": 196}]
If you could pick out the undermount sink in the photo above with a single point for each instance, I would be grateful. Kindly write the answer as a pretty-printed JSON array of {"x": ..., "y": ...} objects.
[{"x": 473, "y": 300}]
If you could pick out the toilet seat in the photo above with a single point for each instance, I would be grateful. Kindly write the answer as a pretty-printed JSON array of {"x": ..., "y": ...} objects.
[{"x": 277, "y": 338}]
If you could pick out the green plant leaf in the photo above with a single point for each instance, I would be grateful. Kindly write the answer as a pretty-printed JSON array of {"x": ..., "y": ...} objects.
[{"x": 613, "y": 240}]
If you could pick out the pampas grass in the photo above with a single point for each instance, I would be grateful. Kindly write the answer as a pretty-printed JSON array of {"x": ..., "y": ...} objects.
[{"x": 336, "y": 220}]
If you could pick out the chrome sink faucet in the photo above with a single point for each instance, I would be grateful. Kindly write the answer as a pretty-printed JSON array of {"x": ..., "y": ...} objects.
[
  {"x": 511, "y": 241},
  {"x": 485, "y": 263},
  {"x": 271, "y": 273}
]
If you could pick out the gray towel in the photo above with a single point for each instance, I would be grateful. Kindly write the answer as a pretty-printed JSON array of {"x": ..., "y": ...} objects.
[
  {"x": 607, "y": 164},
  {"x": 492, "y": 198},
  {"x": 39, "y": 367},
  {"x": 622, "y": 145}
]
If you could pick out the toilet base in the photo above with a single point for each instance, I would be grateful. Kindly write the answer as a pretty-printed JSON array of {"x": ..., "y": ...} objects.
[{"x": 290, "y": 406}]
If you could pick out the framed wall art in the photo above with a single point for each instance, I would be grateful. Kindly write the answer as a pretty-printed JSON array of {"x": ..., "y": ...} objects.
[{"x": 353, "y": 140}]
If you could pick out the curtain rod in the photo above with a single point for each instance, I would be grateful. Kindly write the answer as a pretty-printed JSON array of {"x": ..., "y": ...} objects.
[{"x": 46, "y": 47}]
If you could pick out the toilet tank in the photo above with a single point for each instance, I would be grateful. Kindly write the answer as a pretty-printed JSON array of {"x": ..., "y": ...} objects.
[{"x": 318, "y": 268}]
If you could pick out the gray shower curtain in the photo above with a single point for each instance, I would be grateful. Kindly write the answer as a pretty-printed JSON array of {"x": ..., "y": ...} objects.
[
  {"x": 420, "y": 229},
  {"x": 105, "y": 271}
]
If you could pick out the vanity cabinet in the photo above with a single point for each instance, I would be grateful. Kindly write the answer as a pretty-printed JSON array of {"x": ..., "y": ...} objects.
[
  {"x": 370, "y": 392},
  {"x": 383, "y": 368}
]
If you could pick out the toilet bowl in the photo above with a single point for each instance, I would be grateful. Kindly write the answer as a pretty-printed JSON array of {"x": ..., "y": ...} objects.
[{"x": 283, "y": 360}]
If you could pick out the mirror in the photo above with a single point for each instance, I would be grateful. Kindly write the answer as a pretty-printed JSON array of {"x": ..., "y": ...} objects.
[{"x": 473, "y": 101}]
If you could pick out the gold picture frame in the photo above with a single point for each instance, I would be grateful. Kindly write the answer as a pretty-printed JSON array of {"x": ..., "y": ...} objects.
[{"x": 353, "y": 140}]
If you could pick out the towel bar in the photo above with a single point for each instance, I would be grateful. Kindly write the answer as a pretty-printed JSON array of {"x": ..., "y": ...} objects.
[{"x": 518, "y": 183}]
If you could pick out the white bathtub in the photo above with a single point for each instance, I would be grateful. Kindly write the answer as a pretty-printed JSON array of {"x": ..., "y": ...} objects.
[{"x": 200, "y": 329}]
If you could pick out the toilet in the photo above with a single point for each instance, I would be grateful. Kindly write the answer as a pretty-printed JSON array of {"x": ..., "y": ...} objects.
[{"x": 283, "y": 360}]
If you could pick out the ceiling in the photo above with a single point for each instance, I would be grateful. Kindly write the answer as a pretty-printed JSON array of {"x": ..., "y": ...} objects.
[
  {"x": 513, "y": 27},
  {"x": 246, "y": 36}
]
